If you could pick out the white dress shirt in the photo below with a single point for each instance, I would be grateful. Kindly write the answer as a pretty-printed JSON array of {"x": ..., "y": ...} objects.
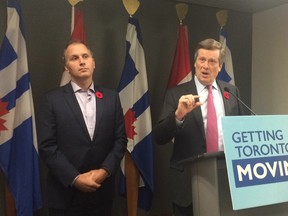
[{"x": 87, "y": 102}]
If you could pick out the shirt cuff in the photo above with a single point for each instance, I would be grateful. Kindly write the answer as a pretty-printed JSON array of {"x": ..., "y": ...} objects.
[
  {"x": 74, "y": 180},
  {"x": 179, "y": 123}
]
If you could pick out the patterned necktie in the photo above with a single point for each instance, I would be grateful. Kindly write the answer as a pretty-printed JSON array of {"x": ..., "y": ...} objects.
[{"x": 212, "y": 127}]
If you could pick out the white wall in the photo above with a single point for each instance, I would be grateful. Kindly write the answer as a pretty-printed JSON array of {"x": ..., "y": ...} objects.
[{"x": 270, "y": 61}]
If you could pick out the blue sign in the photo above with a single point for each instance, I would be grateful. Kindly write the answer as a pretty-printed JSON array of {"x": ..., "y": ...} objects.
[{"x": 256, "y": 151}]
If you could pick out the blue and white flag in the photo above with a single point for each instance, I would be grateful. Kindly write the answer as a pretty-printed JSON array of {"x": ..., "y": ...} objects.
[
  {"x": 18, "y": 145},
  {"x": 226, "y": 74},
  {"x": 134, "y": 96}
]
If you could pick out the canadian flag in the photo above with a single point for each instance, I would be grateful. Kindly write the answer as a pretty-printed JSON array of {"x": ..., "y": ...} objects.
[{"x": 181, "y": 67}]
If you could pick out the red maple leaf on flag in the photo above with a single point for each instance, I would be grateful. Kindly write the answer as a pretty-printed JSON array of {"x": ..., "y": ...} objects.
[
  {"x": 129, "y": 120},
  {"x": 3, "y": 111}
]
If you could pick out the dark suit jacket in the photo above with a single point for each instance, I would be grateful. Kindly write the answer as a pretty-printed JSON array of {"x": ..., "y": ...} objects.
[
  {"x": 66, "y": 148},
  {"x": 189, "y": 140}
]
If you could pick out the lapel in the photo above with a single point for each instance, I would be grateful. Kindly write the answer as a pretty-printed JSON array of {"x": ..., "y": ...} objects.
[
  {"x": 226, "y": 102},
  {"x": 99, "y": 108},
  {"x": 71, "y": 100}
]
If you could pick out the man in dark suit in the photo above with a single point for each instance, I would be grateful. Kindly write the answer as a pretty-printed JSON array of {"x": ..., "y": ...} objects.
[
  {"x": 82, "y": 140},
  {"x": 184, "y": 118}
]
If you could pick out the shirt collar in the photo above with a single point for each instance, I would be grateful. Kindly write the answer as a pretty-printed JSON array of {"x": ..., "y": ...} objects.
[
  {"x": 77, "y": 88},
  {"x": 200, "y": 87}
]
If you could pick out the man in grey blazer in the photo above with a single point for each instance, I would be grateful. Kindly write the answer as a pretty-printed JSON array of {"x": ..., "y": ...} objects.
[
  {"x": 184, "y": 118},
  {"x": 82, "y": 140}
]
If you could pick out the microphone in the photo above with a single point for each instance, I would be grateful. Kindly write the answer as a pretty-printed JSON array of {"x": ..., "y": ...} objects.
[{"x": 228, "y": 90}]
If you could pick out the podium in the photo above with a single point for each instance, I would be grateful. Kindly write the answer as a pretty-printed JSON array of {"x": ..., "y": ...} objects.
[{"x": 211, "y": 193}]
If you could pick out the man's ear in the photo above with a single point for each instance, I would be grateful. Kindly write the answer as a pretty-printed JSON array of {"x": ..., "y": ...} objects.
[
  {"x": 94, "y": 63},
  {"x": 66, "y": 68},
  {"x": 220, "y": 66}
]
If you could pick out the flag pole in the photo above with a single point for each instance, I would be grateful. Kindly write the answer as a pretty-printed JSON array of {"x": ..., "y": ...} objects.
[
  {"x": 10, "y": 203},
  {"x": 132, "y": 184},
  {"x": 131, "y": 171}
]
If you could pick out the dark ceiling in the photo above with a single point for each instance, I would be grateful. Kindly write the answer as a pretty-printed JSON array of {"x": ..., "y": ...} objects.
[{"x": 250, "y": 6}]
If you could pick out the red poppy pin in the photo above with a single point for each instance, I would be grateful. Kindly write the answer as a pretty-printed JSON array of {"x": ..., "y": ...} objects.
[
  {"x": 226, "y": 95},
  {"x": 99, "y": 94}
]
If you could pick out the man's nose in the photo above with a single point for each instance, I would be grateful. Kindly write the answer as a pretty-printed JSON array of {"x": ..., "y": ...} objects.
[
  {"x": 205, "y": 64},
  {"x": 81, "y": 60}
]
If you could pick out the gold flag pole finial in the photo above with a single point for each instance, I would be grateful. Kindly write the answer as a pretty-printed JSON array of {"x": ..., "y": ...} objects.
[
  {"x": 131, "y": 6},
  {"x": 222, "y": 17},
  {"x": 181, "y": 10},
  {"x": 74, "y": 2}
]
